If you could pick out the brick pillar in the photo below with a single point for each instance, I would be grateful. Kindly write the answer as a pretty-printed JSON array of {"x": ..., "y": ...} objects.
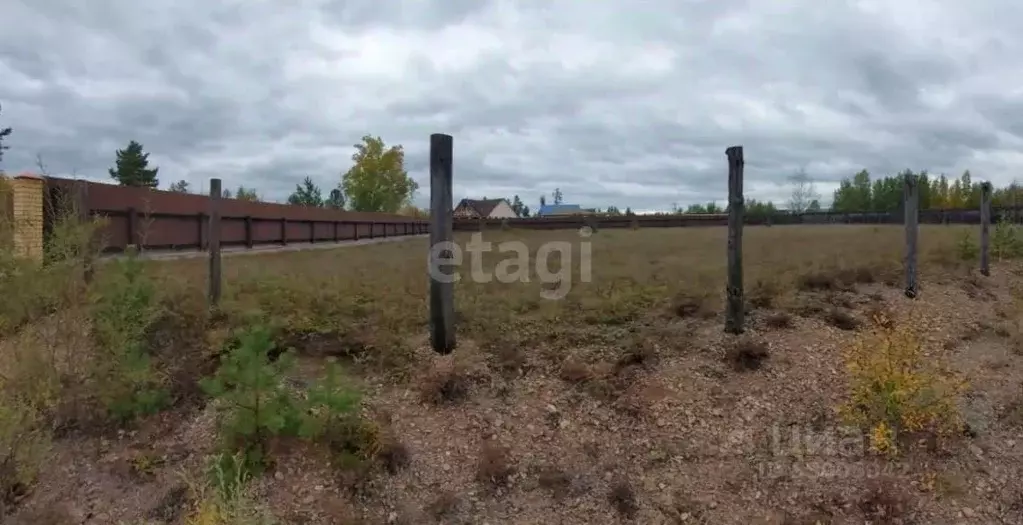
[{"x": 28, "y": 215}]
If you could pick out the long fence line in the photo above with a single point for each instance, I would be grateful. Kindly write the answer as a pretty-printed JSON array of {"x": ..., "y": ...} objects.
[
  {"x": 933, "y": 216},
  {"x": 441, "y": 263},
  {"x": 161, "y": 220}
]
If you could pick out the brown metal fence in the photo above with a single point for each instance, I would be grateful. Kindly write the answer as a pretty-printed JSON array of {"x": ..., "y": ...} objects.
[
  {"x": 953, "y": 216},
  {"x": 164, "y": 220}
]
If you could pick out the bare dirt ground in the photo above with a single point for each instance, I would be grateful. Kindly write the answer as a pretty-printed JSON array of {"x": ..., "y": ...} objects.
[{"x": 622, "y": 402}]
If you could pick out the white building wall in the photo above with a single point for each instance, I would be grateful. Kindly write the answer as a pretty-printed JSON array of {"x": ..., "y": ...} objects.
[{"x": 503, "y": 211}]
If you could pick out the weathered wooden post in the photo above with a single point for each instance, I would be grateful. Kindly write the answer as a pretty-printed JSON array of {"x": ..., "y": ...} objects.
[
  {"x": 911, "y": 200},
  {"x": 442, "y": 285},
  {"x": 985, "y": 222},
  {"x": 214, "y": 240},
  {"x": 734, "y": 315}
]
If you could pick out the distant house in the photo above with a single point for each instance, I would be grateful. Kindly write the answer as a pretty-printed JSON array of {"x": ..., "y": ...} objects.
[
  {"x": 484, "y": 208},
  {"x": 553, "y": 210}
]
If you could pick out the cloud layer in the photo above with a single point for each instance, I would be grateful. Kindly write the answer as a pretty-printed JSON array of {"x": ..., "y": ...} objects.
[{"x": 627, "y": 104}]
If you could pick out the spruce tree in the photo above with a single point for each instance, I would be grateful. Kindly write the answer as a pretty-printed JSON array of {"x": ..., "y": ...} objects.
[{"x": 132, "y": 167}]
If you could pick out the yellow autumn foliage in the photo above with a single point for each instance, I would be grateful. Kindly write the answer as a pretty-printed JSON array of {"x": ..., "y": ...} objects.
[{"x": 896, "y": 387}]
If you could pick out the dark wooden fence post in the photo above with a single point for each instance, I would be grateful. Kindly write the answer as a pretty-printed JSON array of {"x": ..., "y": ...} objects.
[
  {"x": 911, "y": 200},
  {"x": 734, "y": 315},
  {"x": 133, "y": 227},
  {"x": 355, "y": 230},
  {"x": 442, "y": 291},
  {"x": 335, "y": 231},
  {"x": 248, "y": 231},
  {"x": 312, "y": 232},
  {"x": 985, "y": 222},
  {"x": 214, "y": 236},
  {"x": 284, "y": 231},
  {"x": 84, "y": 217},
  {"x": 372, "y": 226}
]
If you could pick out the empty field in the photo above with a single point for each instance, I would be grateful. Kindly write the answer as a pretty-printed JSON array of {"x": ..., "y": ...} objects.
[{"x": 843, "y": 402}]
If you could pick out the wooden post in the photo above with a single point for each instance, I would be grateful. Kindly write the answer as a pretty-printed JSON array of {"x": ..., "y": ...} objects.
[
  {"x": 284, "y": 231},
  {"x": 335, "y": 231},
  {"x": 84, "y": 218},
  {"x": 312, "y": 232},
  {"x": 442, "y": 293},
  {"x": 355, "y": 230},
  {"x": 911, "y": 200},
  {"x": 214, "y": 237},
  {"x": 734, "y": 315},
  {"x": 985, "y": 222},
  {"x": 248, "y": 231},
  {"x": 372, "y": 226}
]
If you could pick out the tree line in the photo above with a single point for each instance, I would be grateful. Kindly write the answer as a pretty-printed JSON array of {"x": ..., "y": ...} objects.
[
  {"x": 376, "y": 182},
  {"x": 860, "y": 193}
]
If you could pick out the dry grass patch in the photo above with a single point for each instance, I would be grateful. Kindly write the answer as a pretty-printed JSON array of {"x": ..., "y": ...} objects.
[
  {"x": 446, "y": 384},
  {"x": 842, "y": 319},
  {"x": 778, "y": 320},
  {"x": 622, "y": 498},
  {"x": 394, "y": 455},
  {"x": 884, "y": 502},
  {"x": 554, "y": 480},
  {"x": 444, "y": 507},
  {"x": 495, "y": 467},
  {"x": 747, "y": 354}
]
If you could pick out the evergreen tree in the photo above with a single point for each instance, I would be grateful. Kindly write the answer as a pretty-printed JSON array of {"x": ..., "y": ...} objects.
[
  {"x": 336, "y": 199},
  {"x": 306, "y": 194},
  {"x": 132, "y": 167}
]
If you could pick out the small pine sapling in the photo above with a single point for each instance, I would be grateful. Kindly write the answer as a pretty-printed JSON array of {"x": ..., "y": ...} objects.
[{"x": 255, "y": 403}]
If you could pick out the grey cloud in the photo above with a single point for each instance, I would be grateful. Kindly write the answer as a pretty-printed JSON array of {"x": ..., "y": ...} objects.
[{"x": 613, "y": 104}]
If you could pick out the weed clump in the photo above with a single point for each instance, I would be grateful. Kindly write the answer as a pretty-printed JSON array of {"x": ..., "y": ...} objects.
[
  {"x": 778, "y": 320},
  {"x": 446, "y": 386},
  {"x": 895, "y": 388},
  {"x": 623, "y": 498},
  {"x": 842, "y": 319},
  {"x": 223, "y": 497},
  {"x": 747, "y": 354},
  {"x": 494, "y": 467}
]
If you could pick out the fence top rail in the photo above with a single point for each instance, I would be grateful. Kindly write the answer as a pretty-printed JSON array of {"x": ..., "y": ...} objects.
[{"x": 164, "y": 214}]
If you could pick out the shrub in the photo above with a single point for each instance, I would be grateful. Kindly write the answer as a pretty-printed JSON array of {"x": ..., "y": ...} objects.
[
  {"x": 966, "y": 248},
  {"x": 123, "y": 312},
  {"x": 24, "y": 445},
  {"x": 896, "y": 388},
  {"x": 1005, "y": 240},
  {"x": 254, "y": 403}
]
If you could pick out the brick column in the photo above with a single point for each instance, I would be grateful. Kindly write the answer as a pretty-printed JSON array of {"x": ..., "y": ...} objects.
[{"x": 28, "y": 215}]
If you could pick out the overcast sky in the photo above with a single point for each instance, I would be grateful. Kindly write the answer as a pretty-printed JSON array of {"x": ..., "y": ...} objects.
[{"x": 617, "y": 103}]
